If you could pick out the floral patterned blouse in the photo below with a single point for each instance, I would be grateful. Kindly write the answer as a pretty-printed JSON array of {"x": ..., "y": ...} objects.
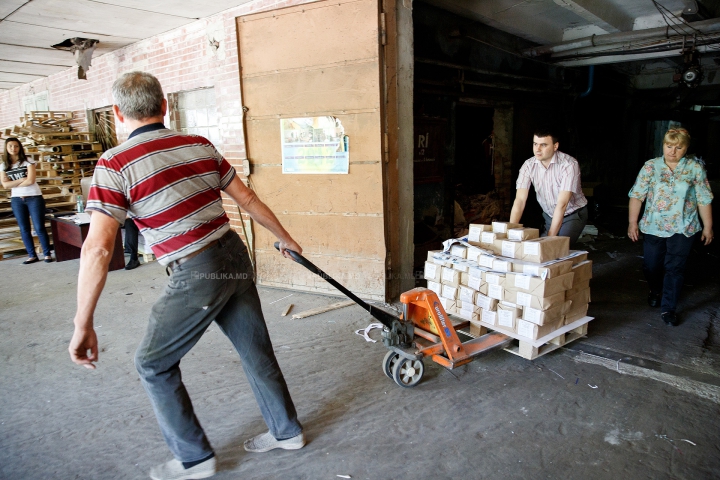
[{"x": 672, "y": 197}]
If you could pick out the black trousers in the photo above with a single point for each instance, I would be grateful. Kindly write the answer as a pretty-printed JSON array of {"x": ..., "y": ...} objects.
[
  {"x": 131, "y": 238},
  {"x": 664, "y": 262}
]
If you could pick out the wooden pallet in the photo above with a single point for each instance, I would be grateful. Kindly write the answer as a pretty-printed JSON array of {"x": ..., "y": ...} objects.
[
  {"x": 63, "y": 137},
  {"x": 531, "y": 349},
  {"x": 14, "y": 249}
]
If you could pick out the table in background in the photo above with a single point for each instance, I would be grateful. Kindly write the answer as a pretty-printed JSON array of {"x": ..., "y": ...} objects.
[{"x": 68, "y": 238}]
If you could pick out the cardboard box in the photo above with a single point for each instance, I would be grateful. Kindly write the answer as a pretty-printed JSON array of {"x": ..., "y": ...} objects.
[
  {"x": 488, "y": 317},
  {"x": 527, "y": 300},
  {"x": 533, "y": 332},
  {"x": 467, "y": 314},
  {"x": 464, "y": 279},
  {"x": 450, "y": 276},
  {"x": 485, "y": 302},
  {"x": 578, "y": 307},
  {"x": 489, "y": 238},
  {"x": 495, "y": 278},
  {"x": 584, "y": 285},
  {"x": 459, "y": 251},
  {"x": 478, "y": 285},
  {"x": 447, "y": 303},
  {"x": 508, "y": 315},
  {"x": 461, "y": 265},
  {"x": 579, "y": 258},
  {"x": 467, "y": 294},
  {"x": 503, "y": 227},
  {"x": 496, "y": 291},
  {"x": 438, "y": 257},
  {"x": 502, "y": 265},
  {"x": 549, "y": 271},
  {"x": 473, "y": 253},
  {"x": 537, "y": 286},
  {"x": 433, "y": 271},
  {"x": 544, "y": 249},
  {"x": 435, "y": 287},
  {"x": 486, "y": 261},
  {"x": 474, "y": 231},
  {"x": 582, "y": 271},
  {"x": 552, "y": 315},
  {"x": 576, "y": 314},
  {"x": 520, "y": 234},
  {"x": 450, "y": 292},
  {"x": 508, "y": 248}
]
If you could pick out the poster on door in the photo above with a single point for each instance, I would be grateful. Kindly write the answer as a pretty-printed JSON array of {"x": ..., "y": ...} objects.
[{"x": 314, "y": 145}]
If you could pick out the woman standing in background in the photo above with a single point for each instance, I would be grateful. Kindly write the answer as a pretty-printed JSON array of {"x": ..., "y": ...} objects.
[
  {"x": 676, "y": 189},
  {"x": 17, "y": 173}
]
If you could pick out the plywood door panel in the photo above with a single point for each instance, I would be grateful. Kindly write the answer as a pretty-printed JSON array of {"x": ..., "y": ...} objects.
[{"x": 318, "y": 59}]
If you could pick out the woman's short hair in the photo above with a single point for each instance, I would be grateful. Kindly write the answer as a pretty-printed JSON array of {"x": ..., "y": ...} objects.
[
  {"x": 677, "y": 136},
  {"x": 138, "y": 95}
]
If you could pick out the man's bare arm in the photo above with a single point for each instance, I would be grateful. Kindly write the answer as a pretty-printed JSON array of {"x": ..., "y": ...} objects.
[
  {"x": 97, "y": 250},
  {"x": 518, "y": 205},
  {"x": 559, "y": 213},
  {"x": 249, "y": 201}
]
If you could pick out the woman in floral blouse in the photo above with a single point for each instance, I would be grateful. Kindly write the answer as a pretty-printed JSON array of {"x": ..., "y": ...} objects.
[{"x": 677, "y": 190}]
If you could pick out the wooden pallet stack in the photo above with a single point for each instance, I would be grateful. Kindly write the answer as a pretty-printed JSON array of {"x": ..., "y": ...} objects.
[
  {"x": 507, "y": 279},
  {"x": 63, "y": 157}
]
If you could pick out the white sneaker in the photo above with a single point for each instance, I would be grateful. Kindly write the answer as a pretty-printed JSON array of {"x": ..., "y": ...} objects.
[
  {"x": 266, "y": 442},
  {"x": 174, "y": 470}
]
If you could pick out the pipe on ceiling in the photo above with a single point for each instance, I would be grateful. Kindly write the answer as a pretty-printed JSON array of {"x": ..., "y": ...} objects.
[
  {"x": 591, "y": 77},
  {"x": 705, "y": 26}
]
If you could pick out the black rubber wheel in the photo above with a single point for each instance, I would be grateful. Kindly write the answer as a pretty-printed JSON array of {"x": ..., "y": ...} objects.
[
  {"x": 389, "y": 362},
  {"x": 408, "y": 373}
]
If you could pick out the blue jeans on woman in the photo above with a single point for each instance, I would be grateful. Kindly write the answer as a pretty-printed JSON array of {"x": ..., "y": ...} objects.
[
  {"x": 218, "y": 285},
  {"x": 33, "y": 207},
  {"x": 664, "y": 260}
]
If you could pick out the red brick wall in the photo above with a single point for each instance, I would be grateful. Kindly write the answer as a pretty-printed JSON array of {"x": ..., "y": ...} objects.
[{"x": 180, "y": 59}]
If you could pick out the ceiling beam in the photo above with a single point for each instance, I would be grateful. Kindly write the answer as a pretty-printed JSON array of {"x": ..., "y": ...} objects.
[{"x": 603, "y": 14}]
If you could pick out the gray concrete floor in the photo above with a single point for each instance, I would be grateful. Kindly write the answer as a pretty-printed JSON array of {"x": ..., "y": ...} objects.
[{"x": 654, "y": 414}]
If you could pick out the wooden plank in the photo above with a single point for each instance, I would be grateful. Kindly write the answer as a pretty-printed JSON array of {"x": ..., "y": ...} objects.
[
  {"x": 287, "y": 310},
  {"x": 319, "y": 310}
]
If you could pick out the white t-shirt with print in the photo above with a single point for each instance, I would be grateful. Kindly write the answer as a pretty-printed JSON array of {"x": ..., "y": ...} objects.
[{"x": 27, "y": 191}]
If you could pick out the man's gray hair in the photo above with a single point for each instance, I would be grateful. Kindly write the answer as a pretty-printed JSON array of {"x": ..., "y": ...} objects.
[{"x": 138, "y": 95}]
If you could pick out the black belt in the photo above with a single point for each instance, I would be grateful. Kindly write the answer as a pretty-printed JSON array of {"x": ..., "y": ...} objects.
[{"x": 576, "y": 211}]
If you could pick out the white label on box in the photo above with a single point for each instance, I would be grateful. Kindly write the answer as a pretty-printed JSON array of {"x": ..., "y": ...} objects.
[
  {"x": 448, "y": 275},
  {"x": 499, "y": 227},
  {"x": 531, "y": 270},
  {"x": 522, "y": 281},
  {"x": 474, "y": 283},
  {"x": 524, "y": 299},
  {"x": 532, "y": 314},
  {"x": 473, "y": 253},
  {"x": 492, "y": 279},
  {"x": 447, "y": 302},
  {"x": 531, "y": 248},
  {"x": 485, "y": 261},
  {"x": 475, "y": 272},
  {"x": 495, "y": 291},
  {"x": 466, "y": 314},
  {"x": 458, "y": 251},
  {"x": 474, "y": 234},
  {"x": 467, "y": 294},
  {"x": 489, "y": 317},
  {"x": 487, "y": 237},
  {"x": 482, "y": 301},
  {"x": 515, "y": 234},
  {"x": 430, "y": 270},
  {"x": 505, "y": 318},
  {"x": 526, "y": 329},
  {"x": 508, "y": 249},
  {"x": 435, "y": 287},
  {"x": 501, "y": 265}
]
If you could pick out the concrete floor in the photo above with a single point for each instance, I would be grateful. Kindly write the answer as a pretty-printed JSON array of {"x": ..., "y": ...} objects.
[{"x": 574, "y": 413}]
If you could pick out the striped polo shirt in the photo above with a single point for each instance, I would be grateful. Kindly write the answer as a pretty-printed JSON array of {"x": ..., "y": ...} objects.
[
  {"x": 169, "y": 184},
  {"x": 562, "y": 174}
]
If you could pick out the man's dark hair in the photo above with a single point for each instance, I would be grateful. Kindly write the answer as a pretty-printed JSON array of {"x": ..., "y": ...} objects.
[{"x": 546, "y": 132}]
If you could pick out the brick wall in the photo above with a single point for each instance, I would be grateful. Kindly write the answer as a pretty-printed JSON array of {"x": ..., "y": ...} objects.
[{"x": 181, "y": 59}]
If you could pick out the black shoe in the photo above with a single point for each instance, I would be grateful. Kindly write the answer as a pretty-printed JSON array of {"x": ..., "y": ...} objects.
[
  {"x": 49, "y": 260},
  {"x": 31, "y": 260},
  {"x": 133, "y": 263},
  {"x": 670, "y": 319},
  {"x": 654, "y": 299}
]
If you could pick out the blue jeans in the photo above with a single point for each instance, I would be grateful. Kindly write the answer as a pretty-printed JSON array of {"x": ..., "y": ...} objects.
[
  {"x": 24, "y": 208},
  {"x": 664, "y": 260},
  {"x": 215, "y": 285},
  {"x": 572, "y": 225}
]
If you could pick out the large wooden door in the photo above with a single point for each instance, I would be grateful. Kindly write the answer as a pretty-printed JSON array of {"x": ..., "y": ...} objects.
[{"x": 318, "y": 59}]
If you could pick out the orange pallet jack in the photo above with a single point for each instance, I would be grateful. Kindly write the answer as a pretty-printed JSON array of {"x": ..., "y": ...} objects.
[{"x": 422, "y": 330}]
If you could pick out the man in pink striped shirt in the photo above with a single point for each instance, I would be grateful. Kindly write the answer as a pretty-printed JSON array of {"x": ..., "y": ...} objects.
[{"x": 556, "y": 177}]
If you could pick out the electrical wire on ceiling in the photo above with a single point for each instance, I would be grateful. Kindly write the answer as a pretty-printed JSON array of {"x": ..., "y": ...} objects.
[{"x": 674, "y": 23}]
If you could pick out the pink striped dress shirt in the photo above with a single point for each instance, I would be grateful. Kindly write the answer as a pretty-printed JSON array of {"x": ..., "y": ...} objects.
[{"x": 562, "y": 174}]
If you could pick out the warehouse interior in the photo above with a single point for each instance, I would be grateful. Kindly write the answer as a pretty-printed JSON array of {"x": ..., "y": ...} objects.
[{"x": 468, "y": 83}]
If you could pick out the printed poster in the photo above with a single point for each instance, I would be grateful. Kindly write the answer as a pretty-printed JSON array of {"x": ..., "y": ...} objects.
[{"x": 314, "y": 145}]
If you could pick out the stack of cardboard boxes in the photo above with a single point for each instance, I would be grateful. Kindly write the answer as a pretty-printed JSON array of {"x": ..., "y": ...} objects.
[{"x": 509, "y": 279}]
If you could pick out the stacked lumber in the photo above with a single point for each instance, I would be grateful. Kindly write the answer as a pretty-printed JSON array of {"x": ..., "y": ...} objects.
[
  {"x": 63, "y": 157},
  {"x": 506, "y": 278}
]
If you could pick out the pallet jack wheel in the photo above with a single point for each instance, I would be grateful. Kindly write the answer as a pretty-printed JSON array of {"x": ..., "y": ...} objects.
[
  {"x": 389, "y": 362},
  {"x": 408, "y": 373}
]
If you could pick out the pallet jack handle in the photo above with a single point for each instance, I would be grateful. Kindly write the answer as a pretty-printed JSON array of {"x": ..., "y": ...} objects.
[{"x": 380, "y": 315}]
